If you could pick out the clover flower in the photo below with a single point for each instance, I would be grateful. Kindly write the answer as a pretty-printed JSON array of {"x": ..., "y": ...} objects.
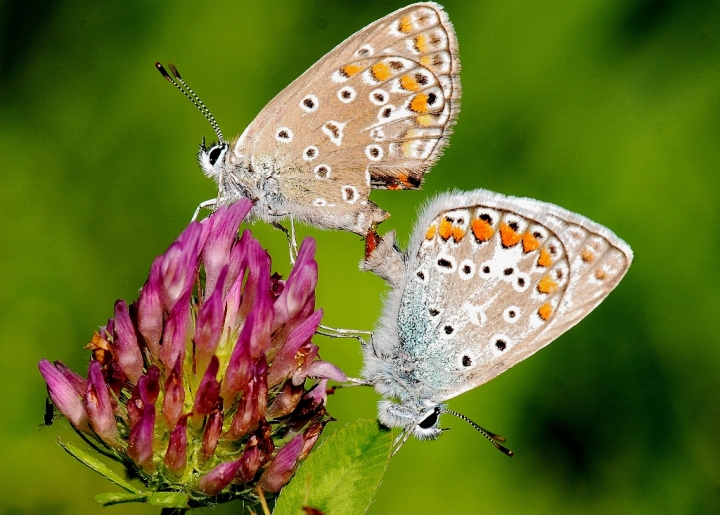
[{"x": 200, "y": 386}]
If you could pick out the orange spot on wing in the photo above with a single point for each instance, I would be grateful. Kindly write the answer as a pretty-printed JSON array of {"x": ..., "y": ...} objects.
[
  {"x": 430, "y": 233},
  {"x": 530, "y": 243},
  {"x": 445, "y": 229},
  {"x": 380, "y": 71},
  {"x": 545, "y": 311},
  {"x": 405, "y": 26},
  {"x": 421, "y": 43},
  {"x": 419, "y": 103},
  {"x": 426, "y": 61},
  {"x": 350, "y": 69},
  {"x": 409, "y": 83},
  {"x": 424, "y": 120},
  {"x": 599, "y": 274},
  {"x": 458, "y": 234},
  {"x": 403, "y": 178},
  {"x": 508, "y": 235},
  {"x": 544, "y": 259},
  {"x": 587, "y": 256},
  {"x": 482, "y": 230},
  {"x": 547, "y": 285}
]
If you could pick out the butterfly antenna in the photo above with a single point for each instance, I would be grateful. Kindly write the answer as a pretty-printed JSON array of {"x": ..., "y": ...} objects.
[
  {"x": 180, "y": 84},
  {"x": 492, "y": 437}
]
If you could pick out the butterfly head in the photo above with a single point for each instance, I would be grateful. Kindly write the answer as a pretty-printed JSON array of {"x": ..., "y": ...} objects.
[
  {"x": 422, "y": 419},
  {"x": 212, "y": 159}
]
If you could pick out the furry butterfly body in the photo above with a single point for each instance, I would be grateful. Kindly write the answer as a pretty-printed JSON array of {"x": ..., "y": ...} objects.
[{"x": 486, "y": 281}]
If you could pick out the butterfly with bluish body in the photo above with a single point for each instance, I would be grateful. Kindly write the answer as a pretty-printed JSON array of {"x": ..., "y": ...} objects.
[
  {"x": 486, "y": 281},
  {"x": 375, "y": 112}
]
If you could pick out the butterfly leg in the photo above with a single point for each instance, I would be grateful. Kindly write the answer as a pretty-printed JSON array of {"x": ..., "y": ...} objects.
[
  {"x": 334, "y": 332},
  {"x": 208, "y": 204},
  {"x": 400, "y": 441},
  {"x": 290, "y": 235}
]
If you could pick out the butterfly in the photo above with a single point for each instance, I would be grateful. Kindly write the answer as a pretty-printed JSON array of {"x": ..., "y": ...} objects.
[
  {"x": 486, "y": 281},
  {"x": 374, "y": 112}
]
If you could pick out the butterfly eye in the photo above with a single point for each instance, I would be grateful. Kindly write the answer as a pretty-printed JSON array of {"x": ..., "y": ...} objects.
[
  {"x": 214, "y": 155},
  {"x": 430, "y": 420}
]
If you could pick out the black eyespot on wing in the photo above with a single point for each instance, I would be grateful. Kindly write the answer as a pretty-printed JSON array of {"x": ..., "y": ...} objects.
[
  {"x": 521, "y": 281},
  {"x": 466, "y": 361},
  {"x": 467, "y": 269},
  {"x": 514, "y": 226},
  {"x": 214, "y": 155},
  {"x": 486, "y": 218},
  {"x": 308, "y": 102},
  {"x": 421, "y": 275},
  {"x": 512, "y": 314},
  {"x": 508, "y": 271},
  {"x": 448, "y": 329},
  {"x": 434, "y": 312},
  {"x": 486, "y": 269},
  {"x": 500, "y": 345},
  {"x": 432, "y": 98},
  {"x": 421, "y": 78},
  {"x": 429, "y": 421},
  {"x": 387, "y": 112},
  {"x": 346, "y": 94},
  {"x": 444, "y": 263}
]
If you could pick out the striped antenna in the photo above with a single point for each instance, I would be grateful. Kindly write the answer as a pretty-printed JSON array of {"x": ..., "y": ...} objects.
[
  {"x": 180, "y": 84},
  {"x": 494, "y": 439}
]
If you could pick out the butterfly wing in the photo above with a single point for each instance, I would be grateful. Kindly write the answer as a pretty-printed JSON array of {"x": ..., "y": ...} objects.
[
  {"x": 493, "y": 279},
  {"x": 375, "y": 112}
]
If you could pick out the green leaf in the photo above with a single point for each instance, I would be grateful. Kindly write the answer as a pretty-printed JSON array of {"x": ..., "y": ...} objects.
[
  {"x": 98, "y": 466},
  {"x": 342, "y": 475},
  {"x": 112, "y": 498},
  {"x": 169, "y": 499}
]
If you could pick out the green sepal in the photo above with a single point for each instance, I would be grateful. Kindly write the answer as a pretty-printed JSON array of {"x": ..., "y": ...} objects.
[
  {"x": 341, "y": 476},
  {"x": 112, "y": 498},
  {"x": 169, "y": 499},
  {"x": 99, "y": 467}
]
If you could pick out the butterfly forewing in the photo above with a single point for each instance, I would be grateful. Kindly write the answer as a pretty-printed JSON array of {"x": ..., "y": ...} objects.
[
  {"x": 493, "y": 279},
  {"x": 373, "y": 113}
]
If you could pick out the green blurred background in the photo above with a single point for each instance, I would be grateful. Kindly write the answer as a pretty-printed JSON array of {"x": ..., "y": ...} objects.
[{"x": 609, "y": 108}]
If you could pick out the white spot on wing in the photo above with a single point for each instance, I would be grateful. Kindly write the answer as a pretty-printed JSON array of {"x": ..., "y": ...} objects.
[
  {"x": 374, "y": 152},
  {"x": 500, "y": 344},
  {"x": 511, "y": 314},
  {"x": 309, "y": 103},
  {"x": 311, "y": 153},
  {"x": 349, "y": 194},
  {"x": 466, "y": 270},
  {"x": 284, "y": 135},
  {"x": 346, "y": 94},
  {"x": 379, "y": 97},
  {"x": 334, "y": 130}
]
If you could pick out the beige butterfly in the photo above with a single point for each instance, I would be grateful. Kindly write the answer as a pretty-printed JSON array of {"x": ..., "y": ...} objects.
[{"x": 375, "y": 112}]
